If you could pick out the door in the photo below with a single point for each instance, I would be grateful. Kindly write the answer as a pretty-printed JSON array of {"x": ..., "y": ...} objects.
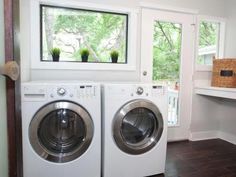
[
  {"x": 137, "y": 126},
  {"x": 167, "y": 57},
  {"x": 3, "y": 109},
  {"x": 61, "y": 131},
  {"x": 10, "y": 119}
]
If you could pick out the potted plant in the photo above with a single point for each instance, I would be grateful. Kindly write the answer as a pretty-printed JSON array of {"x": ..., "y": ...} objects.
[
  {"x": 114, "y": 56},
  {"x": 55, "y": 52},
  {"x": 84, "y": 54}
]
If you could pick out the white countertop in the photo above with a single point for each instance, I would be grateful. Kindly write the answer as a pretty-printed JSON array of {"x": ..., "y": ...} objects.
[{"x": 220, "y": 92}]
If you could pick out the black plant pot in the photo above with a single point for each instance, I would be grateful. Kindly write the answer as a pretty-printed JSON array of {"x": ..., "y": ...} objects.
[
  {"x": 84, "y": 58},
  {"x": 114, "y": 59},
  {"x": 55, "y": 58}
]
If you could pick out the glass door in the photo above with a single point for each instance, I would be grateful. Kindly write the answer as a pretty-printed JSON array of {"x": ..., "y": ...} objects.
[{"x": 167, "y": 58}]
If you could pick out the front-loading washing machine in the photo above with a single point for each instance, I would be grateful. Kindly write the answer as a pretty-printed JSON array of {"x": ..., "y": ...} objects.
[
  {"x": 134, "y": 130},
  {"x": 61, "y": 128}
]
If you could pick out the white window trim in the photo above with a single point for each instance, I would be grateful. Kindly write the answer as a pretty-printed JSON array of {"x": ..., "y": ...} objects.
[
  {"x": 156, "y": 6},
  {"x": 221, "y": 47},
  {"x": 36, "y": 63}
]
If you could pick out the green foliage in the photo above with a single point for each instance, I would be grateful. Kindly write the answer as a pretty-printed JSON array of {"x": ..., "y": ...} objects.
[
  {"x": 167, "y": 47},
  {"x": 208, "y": 34},
  {"x": 166, "y": 51},
  {"x": 208, "y": 39},
  {"x": 100, "y": 32},
  {"x": 84, "y": 52},
  {"x": 55, "y": 51},
  {"x": 114, "y": 54}
]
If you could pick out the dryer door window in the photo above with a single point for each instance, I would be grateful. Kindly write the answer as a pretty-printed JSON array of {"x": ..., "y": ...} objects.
[
  {"x": 137, "y": 127},
  {"x": 61, "y": 131}
]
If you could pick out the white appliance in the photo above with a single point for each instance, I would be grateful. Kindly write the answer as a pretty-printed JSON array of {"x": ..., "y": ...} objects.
[
  {"x": 61, "y": 129},
  {"x": 134, "y": 130}
]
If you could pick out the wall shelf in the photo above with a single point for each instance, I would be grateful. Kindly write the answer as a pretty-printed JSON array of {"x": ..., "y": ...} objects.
[{"x": 220, "y": 92}]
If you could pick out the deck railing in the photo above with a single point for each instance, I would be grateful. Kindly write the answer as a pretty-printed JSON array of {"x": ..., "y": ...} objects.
[{"x": 173, "y": 107}]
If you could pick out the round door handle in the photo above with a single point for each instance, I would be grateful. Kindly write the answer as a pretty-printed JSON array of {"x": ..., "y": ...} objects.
[{"x": 144, "y": 73}]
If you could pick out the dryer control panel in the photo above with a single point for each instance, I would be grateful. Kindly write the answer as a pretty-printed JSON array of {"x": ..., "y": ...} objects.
[
  {"x": 148, "y": 90},
  {"x": 78, "y": 91}
]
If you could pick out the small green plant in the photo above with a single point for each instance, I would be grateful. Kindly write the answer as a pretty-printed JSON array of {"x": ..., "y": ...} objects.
[
  {"x": 84, "y": 52},
  {"x": 114, "y": 54},
  {"x": 55, "y": 52}
]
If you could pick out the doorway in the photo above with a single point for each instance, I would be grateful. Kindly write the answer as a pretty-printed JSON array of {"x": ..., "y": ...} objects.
[
  {"x": 3, "y": 109},
  {"x": 11, "y": 93},
  {"x": 167, "y": 58}
]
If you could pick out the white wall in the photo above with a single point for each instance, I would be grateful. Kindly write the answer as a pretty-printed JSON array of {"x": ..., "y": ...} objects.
[
  {"x": 203, "y": 119},
  {"x": 205, "y": 114},
  {"x": 228, "y": 116},
  {"x": 227, "y": 107},
  {"x": 230, "y": 31},
  {"x": 27, "y": 74},
  {"x": 222, "y": 110},
  {"x": 3, "y": 124}
]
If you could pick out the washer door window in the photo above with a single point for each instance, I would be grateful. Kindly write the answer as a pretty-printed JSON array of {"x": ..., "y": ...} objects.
[
  {"x": 61, "y": 131},
  {"x": 137, "y": 127}
]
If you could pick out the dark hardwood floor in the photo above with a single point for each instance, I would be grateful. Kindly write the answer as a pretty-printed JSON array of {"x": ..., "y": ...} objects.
[{"x": 209, "y": 158}]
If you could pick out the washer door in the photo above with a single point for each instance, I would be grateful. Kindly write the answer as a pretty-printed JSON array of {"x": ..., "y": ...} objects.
[
  {"x": 137, "y": 126},
  {"x": 61, "y": 131}
]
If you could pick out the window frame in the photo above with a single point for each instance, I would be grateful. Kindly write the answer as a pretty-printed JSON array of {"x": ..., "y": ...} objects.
[
  {"x": 221, "y": 39},
  {"x": 35, "y": 35},
  {"x": 85, "y": 10}
]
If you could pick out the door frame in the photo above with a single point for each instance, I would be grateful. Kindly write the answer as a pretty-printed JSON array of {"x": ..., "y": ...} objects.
[
  {"x": 188, "y": 20},
  {"x": 12, "y": 53}
]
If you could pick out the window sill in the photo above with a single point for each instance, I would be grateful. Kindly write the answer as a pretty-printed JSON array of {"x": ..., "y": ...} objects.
[
  {"x": 206, "y": 68},
  {"x": 83, "y": 66}
]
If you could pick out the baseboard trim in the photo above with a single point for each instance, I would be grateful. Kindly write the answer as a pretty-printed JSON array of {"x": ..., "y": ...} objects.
[
  {"x": 227, "y": 137},
  {"x": 204, "y": 135}
]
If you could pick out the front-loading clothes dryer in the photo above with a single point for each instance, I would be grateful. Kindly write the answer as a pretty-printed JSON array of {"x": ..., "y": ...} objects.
[
  {"x": 134, "y": 130},
  {"x": 61, "y": 129}
]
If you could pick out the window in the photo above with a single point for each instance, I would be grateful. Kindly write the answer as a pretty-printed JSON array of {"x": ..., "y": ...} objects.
[
  {"x": 210, "y": 41},
  {"x": 72, "y": 30}
]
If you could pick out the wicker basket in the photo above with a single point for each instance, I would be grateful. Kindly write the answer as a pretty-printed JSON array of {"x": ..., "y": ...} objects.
[{"x": 224, "y": 73}]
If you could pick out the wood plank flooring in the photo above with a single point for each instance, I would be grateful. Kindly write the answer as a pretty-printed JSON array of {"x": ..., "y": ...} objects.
[{"x": 209, "y": 158}]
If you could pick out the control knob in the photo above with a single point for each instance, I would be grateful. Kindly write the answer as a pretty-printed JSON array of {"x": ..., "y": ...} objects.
[
  {"x": 139, "y": 91},
  {"x": 61, "y": 91}
]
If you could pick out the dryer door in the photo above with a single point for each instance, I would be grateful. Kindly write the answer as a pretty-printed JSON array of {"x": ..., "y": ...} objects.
[
  {"x": 137, "y": 126},
  {"x": 61, "y": 131}
]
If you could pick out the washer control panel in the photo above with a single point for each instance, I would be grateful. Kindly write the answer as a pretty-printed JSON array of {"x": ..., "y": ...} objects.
[
  {"x": 158, "y": 90},
  {"x": 86, "y": 91},
  {"x": 52, "y": 91},
  {"x": 80, "y": 91}
]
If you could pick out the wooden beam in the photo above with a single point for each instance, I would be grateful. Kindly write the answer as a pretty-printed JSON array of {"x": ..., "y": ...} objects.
[{"x": 11, "y": 26}]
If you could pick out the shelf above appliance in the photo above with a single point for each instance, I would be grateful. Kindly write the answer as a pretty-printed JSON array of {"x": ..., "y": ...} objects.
[{"x": 220, "y": 92}]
